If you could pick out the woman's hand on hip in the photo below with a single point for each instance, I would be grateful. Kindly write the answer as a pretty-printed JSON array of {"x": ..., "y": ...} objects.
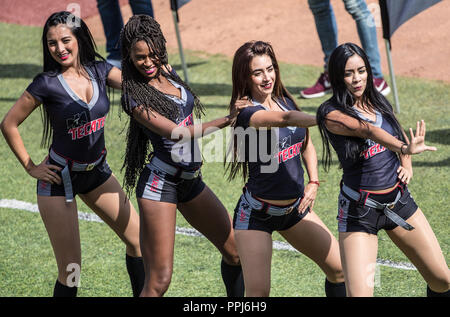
[
  {"x": 46, "y": 172},
  {"x": 309, "y": 197}
]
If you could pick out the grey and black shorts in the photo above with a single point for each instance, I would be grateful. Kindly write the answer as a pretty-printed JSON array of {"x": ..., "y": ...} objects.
[
  {"x": 158, "y": 185},
  {"x": 356, "y": 216},
  {"x": 247, "y": 217},
  {"x": 82, "y": 182}
]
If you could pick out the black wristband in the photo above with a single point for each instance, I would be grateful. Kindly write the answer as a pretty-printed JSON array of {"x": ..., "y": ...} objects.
[{"x": 401, "y": 148}]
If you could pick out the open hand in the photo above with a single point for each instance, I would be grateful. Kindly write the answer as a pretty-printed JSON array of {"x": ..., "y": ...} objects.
[{"x": 417, "y": 143}]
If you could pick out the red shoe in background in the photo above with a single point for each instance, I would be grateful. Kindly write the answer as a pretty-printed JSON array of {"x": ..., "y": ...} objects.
[
  {"x": 321, "y": 87},
  {"x": 382, "y": 86}
]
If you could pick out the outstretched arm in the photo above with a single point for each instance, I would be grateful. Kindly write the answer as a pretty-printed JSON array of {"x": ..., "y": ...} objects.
[
  {"x": 342, "y": 124},
  {"x": 170, "y": 130},
  {"x": 292, "y": 118}
]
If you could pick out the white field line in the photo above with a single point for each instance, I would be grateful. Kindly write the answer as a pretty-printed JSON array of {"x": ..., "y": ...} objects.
[{"x": 277, "y": 245}]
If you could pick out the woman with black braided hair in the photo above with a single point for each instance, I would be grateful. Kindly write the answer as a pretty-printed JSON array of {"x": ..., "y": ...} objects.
[{"x": 161, "y": 106}]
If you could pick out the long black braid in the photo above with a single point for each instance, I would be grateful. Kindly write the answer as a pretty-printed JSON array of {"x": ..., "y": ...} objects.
[{"x": 135, "y": 86}]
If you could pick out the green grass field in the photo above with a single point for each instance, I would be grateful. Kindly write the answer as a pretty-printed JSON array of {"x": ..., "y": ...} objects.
[{"x": 27, "y": 264}]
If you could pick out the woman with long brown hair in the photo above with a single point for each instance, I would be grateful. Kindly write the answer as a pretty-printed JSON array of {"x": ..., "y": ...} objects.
[{"x": 275, "y": 197}]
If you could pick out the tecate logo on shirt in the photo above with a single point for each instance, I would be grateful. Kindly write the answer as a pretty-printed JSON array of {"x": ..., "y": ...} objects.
[{"x": 87, "y": 128}]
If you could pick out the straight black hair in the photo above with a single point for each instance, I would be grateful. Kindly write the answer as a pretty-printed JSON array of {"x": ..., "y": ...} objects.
[
  {"x": 343, "y": 100},
  {"x": 87, "y": 55}
]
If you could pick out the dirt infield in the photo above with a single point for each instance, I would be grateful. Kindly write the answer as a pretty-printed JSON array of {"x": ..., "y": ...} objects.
[{"x": 421, "y": 47}]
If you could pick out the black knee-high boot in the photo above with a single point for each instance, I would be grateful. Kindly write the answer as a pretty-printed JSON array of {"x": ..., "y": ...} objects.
[
  {"x": 233, "y": 279},
  {"x": 431, "y": 293},
  {"x": 335, "y": 289},
  {"x": 135, "y": 268},
  {"x": 62, "y": 290}
]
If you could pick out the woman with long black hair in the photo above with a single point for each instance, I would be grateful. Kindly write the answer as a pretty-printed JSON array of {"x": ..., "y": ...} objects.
[
  {"x": 375, "y": 155},
  {"x": 72, "y": 90},
  {"x": 161, "y": 109},
  {"x": 270, "y": 142}
]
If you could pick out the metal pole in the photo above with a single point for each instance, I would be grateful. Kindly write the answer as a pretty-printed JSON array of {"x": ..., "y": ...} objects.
[
  {"x": 180, "y": 47},
  {"x": 391, "y": 72}
]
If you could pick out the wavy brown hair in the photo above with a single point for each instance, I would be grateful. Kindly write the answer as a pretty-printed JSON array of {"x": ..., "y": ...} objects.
[{"x": 241, "y": 88}]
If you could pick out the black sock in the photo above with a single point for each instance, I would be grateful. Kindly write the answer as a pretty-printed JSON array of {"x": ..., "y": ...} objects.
[
  {"x": 431, "y": 293},
  {"x": 335, "y": 289},
  {"x": 62, "y": 290},
  {"x": 135, "y": 268},
  {"x": 233, "y": 279}
]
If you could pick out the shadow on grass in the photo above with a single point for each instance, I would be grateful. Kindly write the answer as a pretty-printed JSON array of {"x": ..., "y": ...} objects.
[
  {"x": 179, "y": 67},
  {"x": 441, "y": 137},
  {"x": 334, "y": 162},
  {"x": 31, "y": 70},
  {"x": 215, "y": 106},
  {"x": 438, "y": 136},
  {"x": 310, "y": 110},
  {"x": 295, "y": 90},
  {"x": 212, "y": 89},
  {"x": 201, "y": 89},
  {"x": 445, "y": 162},
  {"x": 19, "y": 70},
  {"x": 9, "y": 99},
  {"x": 220, "y": 89}
]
